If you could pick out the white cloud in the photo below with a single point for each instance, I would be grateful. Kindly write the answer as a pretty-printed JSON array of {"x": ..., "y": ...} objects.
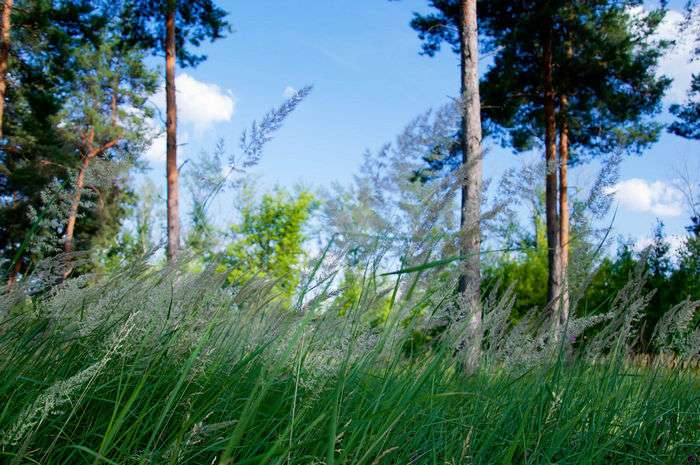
[
  {"x": 199, "y": 104},
  {"x": 677, "y": 63},
  {"x": 289, "y": 92},
  {"x": 675, "y": 242},
  {"x": 156, "y": 152},
  {"x": 640, "y": 195}
]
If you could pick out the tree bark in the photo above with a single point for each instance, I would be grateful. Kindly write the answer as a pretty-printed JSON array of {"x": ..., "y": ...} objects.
[
  {"x": 4, "y": 55},
  {"x": 471, "y": 174},
  {"x": 171, "y": 130},
  {"x": 12, "y": 278},
  {"x": 564, "y": 208},
  {"x": 75, "y": 204},
  {"x": 92, "y": 152},
  {"x": 551, "y": 191}
]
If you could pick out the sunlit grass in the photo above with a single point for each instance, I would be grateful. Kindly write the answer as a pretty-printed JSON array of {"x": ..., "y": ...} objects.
[{"x": 160, "y": 368}]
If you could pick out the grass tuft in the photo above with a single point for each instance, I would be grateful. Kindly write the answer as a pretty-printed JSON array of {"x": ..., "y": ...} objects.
[{"x": 167, "y": 367}]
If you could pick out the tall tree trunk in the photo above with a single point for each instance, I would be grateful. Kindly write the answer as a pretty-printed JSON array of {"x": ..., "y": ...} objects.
[
  {"x": 551, "y": 191},
  {"x": 4, "y": 55},
  {"x": 564, "y": 208},
  {"x": 171, "y": 129},
  {"x": 74, "y": 205},
  {"x": 12, "y": 278},
  {"x": 6, "y": 25},
  {"x": 471, "y": 172}
]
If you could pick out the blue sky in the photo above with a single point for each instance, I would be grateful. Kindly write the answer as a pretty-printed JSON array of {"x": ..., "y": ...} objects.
[{"x": 369, "y": 81}]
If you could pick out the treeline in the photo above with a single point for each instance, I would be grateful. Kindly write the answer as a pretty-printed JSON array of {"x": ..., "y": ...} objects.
[
  {"x": 575, "y": 80},
  {"x": 578, "y": 79},
  {"x": 76, "y": 117}
]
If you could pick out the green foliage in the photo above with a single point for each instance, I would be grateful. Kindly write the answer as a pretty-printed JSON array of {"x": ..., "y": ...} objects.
[
  {"x": 143, "y": 26},
  {"x": 688, "y": 114},
  {"x": 611, "y": 275},
  {"x": 684, "y": 281},
  {"x": 133, "y": 242},
  {"x": 605, "y": 61},
  {"x": 439, "y": 26},
  {"x": 106, "y": 104},
  {"x": 668, "y": 281},
  {"x": 34, "y": 164},
  {"x": 526, "y": 271},
  {"x": 204, "y": 179},
  {"x": 109, "y": 95},
  {"x": 268, "y": 241},
  {"x": 166, "y": 367},
  {"x": 202, "y": 237},
  {"x": 351, "y": 292},
  {"x": 357, "y": 290}
]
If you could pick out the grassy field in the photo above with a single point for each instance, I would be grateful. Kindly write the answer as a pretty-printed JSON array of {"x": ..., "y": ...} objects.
[{"x": 160, "y": 368}]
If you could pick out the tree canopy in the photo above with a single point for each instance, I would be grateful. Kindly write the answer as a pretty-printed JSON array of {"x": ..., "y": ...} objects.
[{"x": 143, "y": 26}]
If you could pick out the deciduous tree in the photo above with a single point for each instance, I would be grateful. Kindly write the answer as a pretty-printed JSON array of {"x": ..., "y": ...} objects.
[{"x": 268, "y": 240}]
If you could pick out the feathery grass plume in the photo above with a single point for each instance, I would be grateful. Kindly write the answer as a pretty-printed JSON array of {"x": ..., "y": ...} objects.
[
  {"x": 60, "y": 393},
  {"x": 672, "y": 333},
  {"x": 617, "y": 336},
  {"x": 167, "y": 365},
  {"x": 253, "y": 141}
]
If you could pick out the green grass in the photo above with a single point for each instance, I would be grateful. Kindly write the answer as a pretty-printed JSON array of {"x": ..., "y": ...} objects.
[{"x": 150, "y": 368}]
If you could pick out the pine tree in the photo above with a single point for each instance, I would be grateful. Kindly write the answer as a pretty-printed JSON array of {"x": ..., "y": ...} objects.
[
  {"x": 43, "y": 19},
  {"x": 687, "y": 113},
  {"x": 104, "y": 116},
  {"x": 687, "y": 123},
  {"x": 456, "y": 23},
  {"x": 588, "y": 77},
  {"x": 33, "y": 160},
  {"x": 169, "y": 27},
  {"x": 576, "y": 78}
]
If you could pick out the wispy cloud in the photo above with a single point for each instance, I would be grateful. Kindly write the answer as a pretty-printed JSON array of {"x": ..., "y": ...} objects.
[
  {"x": 156, "y": 152},
  {"x": 338, "y": 59},
  {"x": 677, "y": 63},
  {"x": 289, "y": 92},
  {"x": 640, "y": 195}
]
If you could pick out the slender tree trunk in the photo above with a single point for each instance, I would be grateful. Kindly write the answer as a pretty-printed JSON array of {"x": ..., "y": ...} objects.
[
  {"x": 12, "y": 279},
  {"x": 4, "y": 55},
  {"x": 471, "y": 172},
  {"x": 92, "y": 152},
  {"x": 74, "y": 205},
  {"x": 551, "y": 191},
  {"x": 171, "y": 129},
  {"x": 564, "y": 208}
]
